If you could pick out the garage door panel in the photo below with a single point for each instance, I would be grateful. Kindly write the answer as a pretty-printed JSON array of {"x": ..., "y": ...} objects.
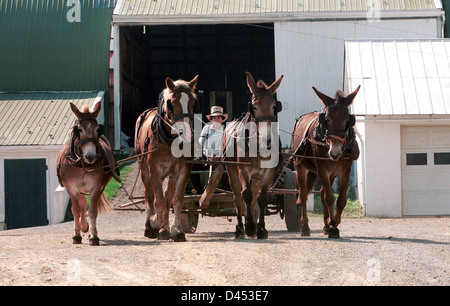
[
  {"x": 414, "y": 137},
  {"x": 423, "y": 204},
  {"x": 440, "y": 137},
  {"x": 426, "y": 170}
]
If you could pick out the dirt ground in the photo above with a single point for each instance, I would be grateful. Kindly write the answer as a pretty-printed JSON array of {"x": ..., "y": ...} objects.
[{"x": 405, "y": 251}]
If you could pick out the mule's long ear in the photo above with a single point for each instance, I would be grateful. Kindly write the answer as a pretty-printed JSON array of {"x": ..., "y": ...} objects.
[
  {"x": 251, "y": 83},
  {"x": 273, "y": 88},
  {"x": 170, "y": 84},
  {"x": 193, "y": 82},
  {"x": 75, "y": 110},
  {"x": 326, "y": 100},
  {"x": 96, "y": 109},
  {"x": 349, "y": 98}
]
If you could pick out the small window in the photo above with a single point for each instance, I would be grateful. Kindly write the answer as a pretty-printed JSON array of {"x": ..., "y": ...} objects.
[
  {"x": 442, "y": 158},
  {"x": 416, "y": 159}
]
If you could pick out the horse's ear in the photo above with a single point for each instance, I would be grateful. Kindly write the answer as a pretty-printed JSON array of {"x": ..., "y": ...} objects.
[
  {"x": 350, "y": 97},
  {"x": 75, "y": 110},
  {"x": 170, "y": 84},
  {"x": 193, "y": 82},
  {"x": 273, "y": 88},
  {"x": 251, "y": 83},
  {"x": 96, "y": 108},
  {"x": 326, "y": 100}
]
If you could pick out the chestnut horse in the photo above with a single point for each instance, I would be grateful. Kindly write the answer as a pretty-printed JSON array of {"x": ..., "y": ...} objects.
[
  {"x": 328, "y": 136},
  {"x": 85, "y": 166},
  {"x": 157, "y": 134},
  {"x": 241, "y": 137}
]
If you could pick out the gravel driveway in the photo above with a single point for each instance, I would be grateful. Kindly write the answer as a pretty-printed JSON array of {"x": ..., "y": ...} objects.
[
  {"x": 406, "y": 251},
  {"x": 413, "y": 251}
]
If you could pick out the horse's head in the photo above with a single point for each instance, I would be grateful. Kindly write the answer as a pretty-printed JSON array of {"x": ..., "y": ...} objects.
[
  {"x": 335, "y": 120},
  {"x": 87, "y": 130},
  {"x": 180, "y": 105},
  {"x": 263, "y": 107}
]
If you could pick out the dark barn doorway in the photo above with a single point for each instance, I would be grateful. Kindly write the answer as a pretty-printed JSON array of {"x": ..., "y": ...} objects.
[{"x": 219, "y": 54}]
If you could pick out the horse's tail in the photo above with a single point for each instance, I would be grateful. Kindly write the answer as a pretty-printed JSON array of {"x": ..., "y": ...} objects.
[{"x": 103, "y": 204}]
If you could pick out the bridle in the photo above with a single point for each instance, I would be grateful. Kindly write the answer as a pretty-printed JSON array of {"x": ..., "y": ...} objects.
[
  {"x": 322, "y": 132},
  {"x": 278, "y": 108},
  {"x": 76, "y": 132},
  {"x": 76, "y": 135},
  {"x": 163, "y": 118},
  {"x": 197, "y": 107}
]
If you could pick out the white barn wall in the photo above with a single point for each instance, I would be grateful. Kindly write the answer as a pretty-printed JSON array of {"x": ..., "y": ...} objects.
[
  {"x": 382, "y": 195},
  {"x": 312, "y": 54}
]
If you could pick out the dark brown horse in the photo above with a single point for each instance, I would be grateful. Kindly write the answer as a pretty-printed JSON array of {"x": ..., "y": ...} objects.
[
  {"x": 158, "y": 133},
  {"x": 85, "y": 166},
  {"x": 330, "y": 137},
  {"x": 252, "y": 139}
]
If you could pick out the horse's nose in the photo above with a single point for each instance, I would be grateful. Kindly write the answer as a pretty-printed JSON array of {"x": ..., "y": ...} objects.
[
  {"x": 335, "y": 156},
  {"x": 90, "y": 157}
]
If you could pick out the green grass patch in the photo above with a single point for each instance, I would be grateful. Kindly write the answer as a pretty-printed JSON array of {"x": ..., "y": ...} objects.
[
  {"x": 113, "y": 186},
  {"x": 353, "y": 209}
]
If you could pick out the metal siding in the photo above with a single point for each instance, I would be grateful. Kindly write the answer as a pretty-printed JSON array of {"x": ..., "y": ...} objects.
[
  {"x": 41, "y": 50},
  {"x": 417, "y": 81},
  {"x": 312, "y": 54},
  {"x": 39, "y": 118},
  {"x": 230, "y": 7}
]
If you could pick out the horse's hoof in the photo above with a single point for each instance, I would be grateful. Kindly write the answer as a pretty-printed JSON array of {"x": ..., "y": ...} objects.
[
  {"x": 333, "y": 233},
  {"x": 94, "y": 241},
  {"x": 76, "y": 239},
  {"x": 151, "y": 233},
  {"x": 239, "y": 234},
  {"x": 179, "y": 237},
  {"x": 262, "y": 234},
  {"x": 250, "y": 229},
  {"x": 306, "y": 232},
  {"x": 164, "y": 235}
]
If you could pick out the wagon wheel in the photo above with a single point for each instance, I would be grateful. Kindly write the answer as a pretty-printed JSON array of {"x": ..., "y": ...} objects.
[
  {"x": 189, "y": 222},
  {"x": 292, "y": 211}
]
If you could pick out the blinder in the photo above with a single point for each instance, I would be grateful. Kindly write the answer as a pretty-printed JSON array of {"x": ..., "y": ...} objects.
[
  {"x": 197, "y": 107},
  {"x": 278, "y": 108},
  {"x": 321, "y": 131},
  {"x": 76, "y": 131}
]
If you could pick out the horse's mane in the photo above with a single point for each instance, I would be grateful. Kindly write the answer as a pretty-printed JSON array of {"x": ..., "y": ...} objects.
[
  {"x": 340, "y": 96},
  {"x": 261, "y": 85},
  {"x": 85, "y": 109}
]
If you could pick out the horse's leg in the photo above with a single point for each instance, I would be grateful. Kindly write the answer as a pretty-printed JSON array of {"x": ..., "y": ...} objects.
[
  {"x": 84, "y": 225},
  {"x": 344, "y": 180},
  {"x": 250, "y": 189},
  {"x": 93, "y": 213},
  {"x": 76, "y": 211},
  {"x": 233, "y": 174},
  {"x": 251, "y": 199},
  {"x": 176, "y": 232},
  {"x": 149, "y": 199},
  {"x": 302, "y": 175},
  {"x": 327, "y": 196},
  {"x": 262, "y": 202},
  {"x": 159, "y": 219}
]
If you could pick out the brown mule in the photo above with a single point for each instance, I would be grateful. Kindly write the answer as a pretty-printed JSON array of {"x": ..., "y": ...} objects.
[
  {"x": 85, "y": 166},
  {"x": 328, "y": 135}
]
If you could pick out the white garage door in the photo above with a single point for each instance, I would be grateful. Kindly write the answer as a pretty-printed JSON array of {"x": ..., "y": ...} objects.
[{"x": 426, "y": 170}]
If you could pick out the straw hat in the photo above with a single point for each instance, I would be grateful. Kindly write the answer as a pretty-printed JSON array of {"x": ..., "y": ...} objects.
[{"x": 217, "y": 111}]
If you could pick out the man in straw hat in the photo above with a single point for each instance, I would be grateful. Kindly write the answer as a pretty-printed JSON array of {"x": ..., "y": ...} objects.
[{"x": 211, "y": 136}]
